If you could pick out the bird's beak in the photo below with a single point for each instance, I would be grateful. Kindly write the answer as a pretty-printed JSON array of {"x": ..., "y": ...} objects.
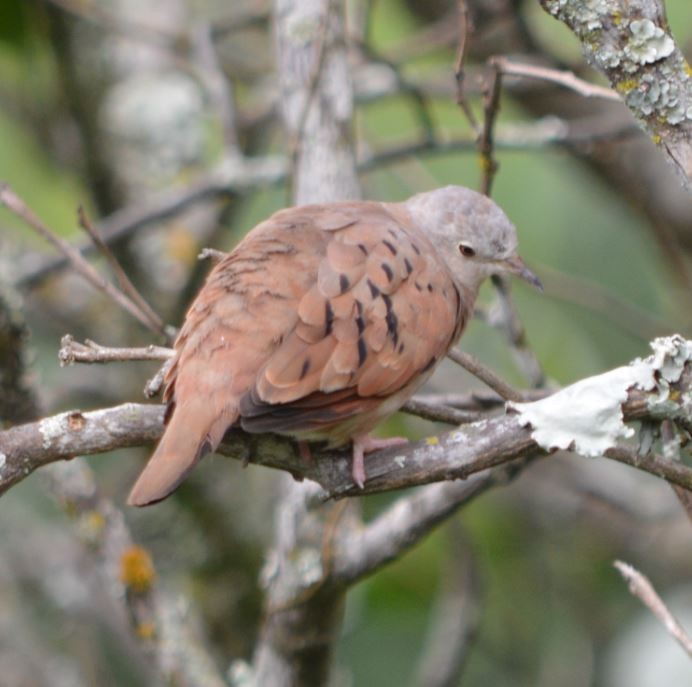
[{"x": 515, "y": 265}]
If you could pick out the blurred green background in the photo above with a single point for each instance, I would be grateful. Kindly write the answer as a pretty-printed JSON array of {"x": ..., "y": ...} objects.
[{"x": 536, "y": 556}]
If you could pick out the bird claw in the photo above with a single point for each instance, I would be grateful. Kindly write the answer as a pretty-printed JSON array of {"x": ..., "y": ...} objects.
[{"x": 367, "y": 444}]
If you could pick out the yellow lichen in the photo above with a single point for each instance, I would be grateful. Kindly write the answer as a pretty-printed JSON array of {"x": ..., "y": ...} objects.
[
  {"x": 432, "y": 441},
  {"x": 137, "y": 569},
  {"x": 656, "y": 138},
  {"x": 626, "y": 85},
  {"x": 146, "y": 630}
]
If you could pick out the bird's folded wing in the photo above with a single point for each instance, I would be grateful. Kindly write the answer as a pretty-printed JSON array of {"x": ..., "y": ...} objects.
[{"x": 380, "y": 312}]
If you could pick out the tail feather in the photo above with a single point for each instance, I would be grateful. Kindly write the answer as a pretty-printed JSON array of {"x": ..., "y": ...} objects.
[{"x": 190, "y": 434}]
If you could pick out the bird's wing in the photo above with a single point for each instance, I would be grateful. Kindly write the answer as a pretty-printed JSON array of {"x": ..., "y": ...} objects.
[{"x": 379, "y": 312}]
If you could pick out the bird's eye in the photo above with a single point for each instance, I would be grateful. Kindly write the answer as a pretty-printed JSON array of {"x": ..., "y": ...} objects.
[{"x": 466, "y": 250}]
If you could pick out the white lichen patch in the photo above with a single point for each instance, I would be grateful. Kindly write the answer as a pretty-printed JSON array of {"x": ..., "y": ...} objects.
[
  {"x": 587, "y": 416},
  {"x": 53, "y": 430},
  {"x": 400, "y": 461},
  {"x": 649, "y": 43},
  {"x": 3, "y": 461}
]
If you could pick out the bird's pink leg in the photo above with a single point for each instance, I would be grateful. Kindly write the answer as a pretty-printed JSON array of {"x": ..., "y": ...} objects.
[
  {"x": 367, "y": 444},
  {"x": 305, "y": 453}
]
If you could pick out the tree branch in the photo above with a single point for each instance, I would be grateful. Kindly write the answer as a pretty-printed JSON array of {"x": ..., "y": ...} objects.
[
  {"x": 456, "y": 454},
  {"x": 642, "y": 588},
  {"x": 631, "y": 44}
]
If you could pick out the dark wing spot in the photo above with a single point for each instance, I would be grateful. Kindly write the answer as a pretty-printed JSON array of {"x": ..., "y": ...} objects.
[
  {"x": 328, "y": 318},
  {"x": 305, "y": 368},
  {"x": 430, "y": 288},
  {"x": 361, "y": 324},
  {"x": 415, "y": 248},
  {"x": 408, "y": 266},
  {"x": 391, "y": 246},
  {"x": 387, "y": 271},
  {"x": 401, "y": 347},
  {"x": 362, "y": 351},
  {"x": 363, "y": 248},
  {"x": 418, "y": 286},
  {"x": 391, "y": 319},
  {"x": 343, "y": 283},
  {"x": 392, "y": 324},
  {"x": 374, "y": 291},
  {"x": 429, "y": 364}
]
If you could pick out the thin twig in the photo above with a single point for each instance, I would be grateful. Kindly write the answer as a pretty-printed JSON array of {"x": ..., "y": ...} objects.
[
  {"x": 228, "y": 177},
  {"x": 491, "y": 108},
  {"x": 72, "y": 351},
  {"x": 505, "y": 316},
  {"x": 463, "y": 33},
  {"x": 19, "y": 208},
  {"x": 672, "y": 471},
  {"x": 126, "y": 285},
  {"x": 486, "y": 375},
  {"x": 438, "y": 412},
  {"x": 641, "y": 587},
  {"x": 563, "y": 78},
  {"x": 211, "y": 254}
]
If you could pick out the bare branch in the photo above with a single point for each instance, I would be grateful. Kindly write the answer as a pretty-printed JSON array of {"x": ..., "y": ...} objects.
[
  {"x": 438, "y": 412},
  {"x": 463, "y": 31},
  {"x": 19, "y": 208},
  {"x": 72, "y": 351},
  {"x": 457, "y": 454},
  {"x": 505, "y": 317},
  {"x": 566, "y": 79},
  {"x": 486, "y": 375},
  {"x": 126, "y": 285},
  {"x": 641, "y": 587},
  {"x": 227, "y": 177},
  {"x": 129, "y": 579},
  {"x": 403, "y": 525},
  {"x": 491, "y": 108},
  {"x": 642, "y": 62}
]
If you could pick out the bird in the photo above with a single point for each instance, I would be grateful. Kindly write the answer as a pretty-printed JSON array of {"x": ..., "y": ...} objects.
[{"x": 324, "y": 320}]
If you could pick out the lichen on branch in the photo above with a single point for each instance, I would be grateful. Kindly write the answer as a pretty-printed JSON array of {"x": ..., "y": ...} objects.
[{"x": 630, "y": 42}]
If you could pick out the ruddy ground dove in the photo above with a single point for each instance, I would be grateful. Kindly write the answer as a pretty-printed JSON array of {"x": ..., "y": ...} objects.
[{"x": 324, "y": 320}]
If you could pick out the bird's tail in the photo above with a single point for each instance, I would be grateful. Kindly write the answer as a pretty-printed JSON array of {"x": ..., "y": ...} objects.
[{"x": 195, "y": 429}]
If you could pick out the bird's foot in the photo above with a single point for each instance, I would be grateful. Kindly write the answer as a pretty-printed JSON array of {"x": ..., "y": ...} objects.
[
  {"x": 367, "y": 444},
  {"x": 305, "y": 453}
]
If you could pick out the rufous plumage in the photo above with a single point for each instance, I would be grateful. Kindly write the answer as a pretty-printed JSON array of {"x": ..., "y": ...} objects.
[{"x": 324, "y": 320}]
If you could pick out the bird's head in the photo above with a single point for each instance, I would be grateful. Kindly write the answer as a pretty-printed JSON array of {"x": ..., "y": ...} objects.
[{"x": 471, "y": 233}]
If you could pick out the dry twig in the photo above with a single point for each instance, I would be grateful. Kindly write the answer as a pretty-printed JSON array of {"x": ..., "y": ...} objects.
[
  {"x": 641, "y": 587},
  {"x": 471, "y": 364},
  {"x": 19, "y": 208},
  {"x": 126, "y": 285}
]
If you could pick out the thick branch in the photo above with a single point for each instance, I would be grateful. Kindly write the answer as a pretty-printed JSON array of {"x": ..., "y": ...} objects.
[
  {"x": 457, "y": 454},
  {"x": 629, "y": 41}
]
